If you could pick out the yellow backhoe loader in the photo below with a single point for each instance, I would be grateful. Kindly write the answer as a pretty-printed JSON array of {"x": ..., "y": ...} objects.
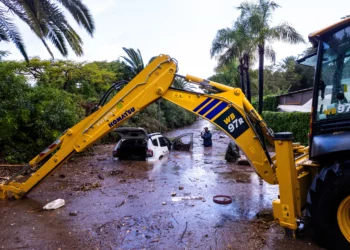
[{"x": 315, "y": 179}]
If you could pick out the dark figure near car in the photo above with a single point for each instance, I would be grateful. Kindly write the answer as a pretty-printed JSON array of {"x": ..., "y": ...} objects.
[
  {"x": 206, "y": 136},
  {"x": 232, "y": 152}
]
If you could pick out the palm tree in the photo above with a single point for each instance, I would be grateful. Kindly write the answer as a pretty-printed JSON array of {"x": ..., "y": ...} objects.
[
  {"x": 232, "y": 44},
  {"x": 256, "y": 19},
  {"x": 46, "y": 19},
  {"x": 134, "y": 61},
  {"x": 180, "y": 83}
]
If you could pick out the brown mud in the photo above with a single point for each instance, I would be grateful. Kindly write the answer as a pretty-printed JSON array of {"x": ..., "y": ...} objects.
[{"x": 113, "y": 204}]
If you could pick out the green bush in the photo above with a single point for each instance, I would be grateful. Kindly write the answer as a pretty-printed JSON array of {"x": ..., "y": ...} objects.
[
  {"x": 295, "y": 122},
  {"x": 270, "y": 103},
  {"x": 33, "y": 118},
  {"x": 175, "y": 116}
]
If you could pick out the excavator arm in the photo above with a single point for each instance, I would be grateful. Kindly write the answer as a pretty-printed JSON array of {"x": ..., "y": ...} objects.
[
  {"x": 148, "y": 86},
  {"x": 224, "y": 106}
]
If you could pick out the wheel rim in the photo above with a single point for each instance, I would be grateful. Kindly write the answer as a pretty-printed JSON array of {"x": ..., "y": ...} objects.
[{"x": 343, "y": 217}]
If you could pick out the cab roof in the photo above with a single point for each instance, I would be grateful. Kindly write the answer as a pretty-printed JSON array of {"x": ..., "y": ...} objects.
[{"x": 312, "y": 36}]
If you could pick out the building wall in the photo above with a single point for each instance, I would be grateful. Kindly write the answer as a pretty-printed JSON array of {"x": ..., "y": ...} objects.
[{"x": 296, "y": 98}]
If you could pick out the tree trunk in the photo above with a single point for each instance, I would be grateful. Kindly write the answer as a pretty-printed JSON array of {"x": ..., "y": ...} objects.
[
  {"x": 261, "y": 76},
  {"x": 246, "y": 68},
  {"x": 241, "y": 76}
]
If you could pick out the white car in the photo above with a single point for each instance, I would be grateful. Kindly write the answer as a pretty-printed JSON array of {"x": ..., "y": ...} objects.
[{"x": 136, "y": 144}]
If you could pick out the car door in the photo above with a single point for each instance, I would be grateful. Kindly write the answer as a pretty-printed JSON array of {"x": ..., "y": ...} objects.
[{"x": 163, "y": 144}]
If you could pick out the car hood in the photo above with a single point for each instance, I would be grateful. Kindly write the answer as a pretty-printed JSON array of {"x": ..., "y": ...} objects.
[{"x": 132, "y": 133}]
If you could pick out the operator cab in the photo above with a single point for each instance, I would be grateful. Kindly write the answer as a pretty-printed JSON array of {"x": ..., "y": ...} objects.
[{"x": 330, "y": 123}]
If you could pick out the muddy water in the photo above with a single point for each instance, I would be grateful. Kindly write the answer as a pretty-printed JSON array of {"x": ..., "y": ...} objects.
[{"x": 139, "y": 205}]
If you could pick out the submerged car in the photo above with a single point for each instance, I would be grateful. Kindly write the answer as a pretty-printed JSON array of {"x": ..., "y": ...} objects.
[{"x": 136, "y": 144}]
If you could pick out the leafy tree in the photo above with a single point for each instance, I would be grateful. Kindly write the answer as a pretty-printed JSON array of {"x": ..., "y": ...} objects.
[
  {"x": 31, "y": 117},
  {"x": 256, "y": 19},
  {"x": 88, "y": 79},
  {"x": 227, "y": 74},
  {"x": 48, "y": 22},
  {"x": 287, "y": 76}
]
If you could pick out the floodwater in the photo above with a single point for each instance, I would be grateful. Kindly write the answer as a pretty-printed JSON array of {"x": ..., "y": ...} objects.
[{"x": 139, "y": 205}]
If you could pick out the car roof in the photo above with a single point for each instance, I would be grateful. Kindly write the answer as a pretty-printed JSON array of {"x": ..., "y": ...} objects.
[
  {"x": 132, "y": 133},
  {"x": 154, "y": 134}
]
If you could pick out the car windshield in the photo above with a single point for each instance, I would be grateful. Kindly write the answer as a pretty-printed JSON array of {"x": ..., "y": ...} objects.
[{"x": 333, "y": 100}]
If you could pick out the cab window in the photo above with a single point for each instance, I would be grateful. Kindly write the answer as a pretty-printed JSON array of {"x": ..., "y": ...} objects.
[{"x": 333, "y": 99}]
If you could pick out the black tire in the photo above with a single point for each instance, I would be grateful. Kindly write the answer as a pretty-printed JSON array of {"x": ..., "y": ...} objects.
[{"x": 327, "y": 191}]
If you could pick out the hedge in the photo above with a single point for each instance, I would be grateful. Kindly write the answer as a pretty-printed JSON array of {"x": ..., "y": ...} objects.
[
  {"x": 270, "y": 103},
  {"x": 295, "y": 122}
]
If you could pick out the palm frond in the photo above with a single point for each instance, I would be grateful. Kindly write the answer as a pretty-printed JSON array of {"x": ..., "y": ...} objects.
[
  {"x": 57, "y": 22},
  {"x": 27, "y": 11},
  {"x": 152, "y": 58},
  {"x": 80, "y": 13},
  {"x": 134, "y": 60},
  {"x": 270, "y": 54},
  {"x": 3, "y": 35},
  {"x": 9, "y": 30},
  {"x": 57, "y": 39},
  {"x": 3, "y": 54},
  {"x": 287, "y": 33},
  {"x": 221, "y": 41},
  {"x": 47, "y": 21}
]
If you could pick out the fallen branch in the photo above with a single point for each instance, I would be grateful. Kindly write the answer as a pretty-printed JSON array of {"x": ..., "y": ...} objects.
[
  {"x": 122, "y": 203},
  {"x": 183, "y": 232}
]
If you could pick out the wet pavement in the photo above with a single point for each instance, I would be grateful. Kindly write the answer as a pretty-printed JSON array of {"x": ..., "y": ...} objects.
[{"x": 139, "y": 205}]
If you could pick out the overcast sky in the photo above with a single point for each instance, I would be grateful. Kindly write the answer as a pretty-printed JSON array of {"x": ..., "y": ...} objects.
[{"x": 184, "y": 29}]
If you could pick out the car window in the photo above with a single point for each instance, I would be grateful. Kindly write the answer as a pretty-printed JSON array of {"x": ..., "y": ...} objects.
[
  {"x": 163, "y": 142},
  {"x": 155, "y": 142}
]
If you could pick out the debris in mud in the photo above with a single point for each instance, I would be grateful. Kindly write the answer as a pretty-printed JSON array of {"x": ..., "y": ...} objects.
[
  {"x": 173, "y": 194},
  {"x": 102, "y": 159},
  {"x": 261, "y": 240},
  {"x": 208, "y": 162},
  {"x": 188, "y": 198},
  {"x": 239, "y": 180},
  {"x": 73, "y": 213},
  {"x": 181, "y": 188},
  {"x": 101, "y": 177},
  {"x": 62, "y": 176},
  {"x": 243, "y": 162},
  {"x": 163, "y": 203},
  {"x": 122, "y": 180},
  {"x": 122, "y": 203},
  {"x": 131, "y": 196},
  {"x": 88, "y": 186},
  {"x": 116, "y": 172},
  {"x": 54, "y": 204},
  {"x": 222, "y": 199},
  {"x": 265, "y": 215},
  {"x": 180, "y": 240}
]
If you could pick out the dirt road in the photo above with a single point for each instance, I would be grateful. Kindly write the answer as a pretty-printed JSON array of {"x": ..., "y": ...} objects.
[{"x": 129, "y": 205}]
